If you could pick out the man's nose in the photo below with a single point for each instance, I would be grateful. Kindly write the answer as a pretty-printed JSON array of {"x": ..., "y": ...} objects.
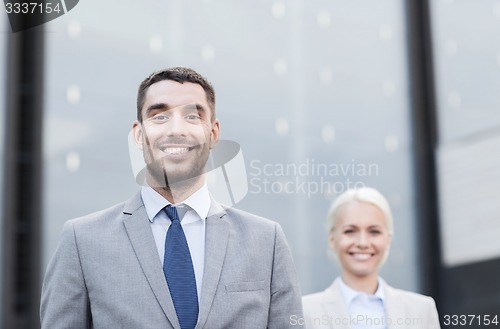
[{"x": 176, "y": 126}]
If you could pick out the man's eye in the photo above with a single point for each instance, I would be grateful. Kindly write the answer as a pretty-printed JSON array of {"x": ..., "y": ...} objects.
[
  {"x": 193, "y": 117},
  {"x": 160, "y": 117},
  {"x": 348, "y": 231}
]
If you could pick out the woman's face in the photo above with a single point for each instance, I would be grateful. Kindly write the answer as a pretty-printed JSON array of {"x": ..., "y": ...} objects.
[{"x": 360, "y": 239}]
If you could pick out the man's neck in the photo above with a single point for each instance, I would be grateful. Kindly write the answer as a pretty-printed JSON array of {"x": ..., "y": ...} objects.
[{"x": 178, "y": 192}]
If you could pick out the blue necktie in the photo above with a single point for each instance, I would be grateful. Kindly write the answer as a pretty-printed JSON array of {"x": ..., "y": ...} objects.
[{"x": 179, "y": 272}]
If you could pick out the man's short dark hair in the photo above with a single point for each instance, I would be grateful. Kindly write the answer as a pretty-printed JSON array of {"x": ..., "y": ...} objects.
[{"x": 178, "y": 74}]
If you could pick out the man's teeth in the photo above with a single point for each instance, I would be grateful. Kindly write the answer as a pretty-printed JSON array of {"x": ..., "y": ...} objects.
[
  {"x": 175, "y": 150},
  {"x": 361, "y": 256}
]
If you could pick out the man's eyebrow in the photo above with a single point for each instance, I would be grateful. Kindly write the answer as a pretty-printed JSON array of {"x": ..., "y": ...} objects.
[
  {"x": 166, "y": 107},
  {"x": 194, "y": 106},
  {"x": 157, "y": 106}
]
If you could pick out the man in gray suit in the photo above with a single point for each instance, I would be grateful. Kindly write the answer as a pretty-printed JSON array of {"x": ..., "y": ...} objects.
[{"x": 121, "y": 267}]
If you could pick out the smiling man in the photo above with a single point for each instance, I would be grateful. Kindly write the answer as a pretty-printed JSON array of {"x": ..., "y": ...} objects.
[
  {"x": 178, "y": 129},
  {"x": 172, "y": 256}
]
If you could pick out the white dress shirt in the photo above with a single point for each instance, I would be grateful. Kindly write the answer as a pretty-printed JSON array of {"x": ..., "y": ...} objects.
[
  {"x": 367, "y": 310},
  {"x": 195, "y": 209}
]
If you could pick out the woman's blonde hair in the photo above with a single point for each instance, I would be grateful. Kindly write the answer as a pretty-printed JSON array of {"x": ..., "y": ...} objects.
[{"x": 363, "y": 194}]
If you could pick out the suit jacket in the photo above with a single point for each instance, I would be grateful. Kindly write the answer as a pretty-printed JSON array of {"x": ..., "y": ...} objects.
[
  {"x": 404, "y": 309},
  {"x": 106, "y": 273}
]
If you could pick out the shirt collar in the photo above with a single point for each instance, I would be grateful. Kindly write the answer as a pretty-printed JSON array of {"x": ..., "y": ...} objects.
[
  {"x": 199, "y": 201},
  {"x": 350, "y": 294}
]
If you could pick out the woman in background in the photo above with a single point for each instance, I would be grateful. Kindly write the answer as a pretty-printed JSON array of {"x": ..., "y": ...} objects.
[{"x": 360, "y": 233}]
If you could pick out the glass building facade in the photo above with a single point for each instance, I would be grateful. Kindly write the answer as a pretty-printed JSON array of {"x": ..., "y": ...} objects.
[{"x": 318, "y": 104}]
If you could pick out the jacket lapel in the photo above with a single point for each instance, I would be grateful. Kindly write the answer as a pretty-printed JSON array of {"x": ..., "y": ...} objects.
[
  {"x": 334, "y": 305},
  {"x": 216, "y": 238},
  {"x": 139, "y": 231},
  {"x": 393, "y": 304}
]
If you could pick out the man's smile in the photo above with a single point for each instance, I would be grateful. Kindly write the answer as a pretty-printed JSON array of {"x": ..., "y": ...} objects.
[
  {"x": 170, "y": 149},
  {"x": 175, "y": 150}
]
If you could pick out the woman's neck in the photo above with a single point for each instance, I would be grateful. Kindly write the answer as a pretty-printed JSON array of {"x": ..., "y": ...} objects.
[{"x": 367, "y": 284}]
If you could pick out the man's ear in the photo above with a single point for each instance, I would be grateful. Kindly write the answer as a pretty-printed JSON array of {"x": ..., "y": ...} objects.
[
  {"x": 215, "y": 133},
  {"x": 138, "y": 134}
]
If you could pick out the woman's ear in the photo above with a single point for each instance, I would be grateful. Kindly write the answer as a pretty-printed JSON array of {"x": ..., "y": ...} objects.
[{"x": 331, "y": 241}]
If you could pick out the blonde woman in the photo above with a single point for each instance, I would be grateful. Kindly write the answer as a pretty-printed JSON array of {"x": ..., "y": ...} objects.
[{"x": 360, "y": 233}]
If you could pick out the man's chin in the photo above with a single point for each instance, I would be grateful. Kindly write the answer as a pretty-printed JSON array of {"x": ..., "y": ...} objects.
[
  {"x": 163, "y": 179},
  {"x": 165, "y": 173}
]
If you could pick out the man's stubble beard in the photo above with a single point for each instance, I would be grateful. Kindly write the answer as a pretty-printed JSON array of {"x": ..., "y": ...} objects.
[{"x": 167, "y": 179}]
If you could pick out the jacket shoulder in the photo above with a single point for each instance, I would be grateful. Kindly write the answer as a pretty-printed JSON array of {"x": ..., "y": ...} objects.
[
  {"x": 107, "y": 215},
  {"x": 411, "y": 298},
  {"x": 330, "y": 294},
  {"x": 248, "y": 219},
  {"x": 98, "y": 216},
  {"x": 410, "y": 295},
  {"x": 312, "y": 299}
]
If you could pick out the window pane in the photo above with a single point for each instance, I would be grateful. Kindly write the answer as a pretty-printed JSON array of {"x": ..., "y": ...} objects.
[
  {"x": 301, "y": 86},
  {"x": 467, "y": 66}
]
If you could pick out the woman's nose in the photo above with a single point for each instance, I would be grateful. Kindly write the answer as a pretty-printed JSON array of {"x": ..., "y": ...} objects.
[{"x": 362, "y": 239}]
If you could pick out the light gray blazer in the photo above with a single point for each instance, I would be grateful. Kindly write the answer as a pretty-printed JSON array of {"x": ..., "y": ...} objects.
[
  {"x": 405, "y": 309},
  {"x": 106, "y": 273}
]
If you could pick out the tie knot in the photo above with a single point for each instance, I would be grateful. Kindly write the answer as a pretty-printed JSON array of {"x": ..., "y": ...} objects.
[{"x": 171, "y": 212}]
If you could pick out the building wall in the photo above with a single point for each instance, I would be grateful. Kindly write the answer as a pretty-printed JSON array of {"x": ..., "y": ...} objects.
[
  {"x": 467, "y": 57},
  {"x": 3, "y": 40}
]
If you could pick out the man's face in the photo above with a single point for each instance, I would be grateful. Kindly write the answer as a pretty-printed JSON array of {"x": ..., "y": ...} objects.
[{"x": 176, "y": 133}]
